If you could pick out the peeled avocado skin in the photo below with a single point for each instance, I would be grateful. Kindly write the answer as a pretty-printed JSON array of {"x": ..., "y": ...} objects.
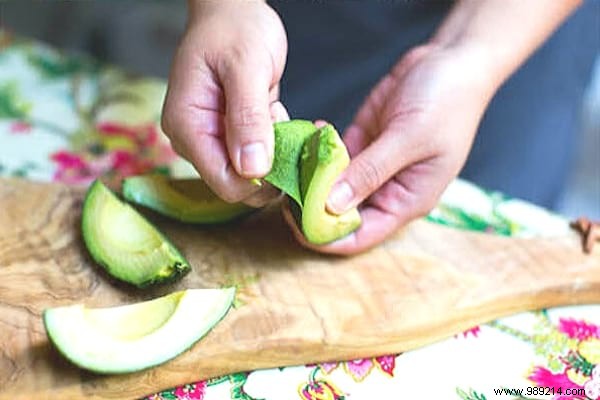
[
  {"x": 290, "y": 137},
  {"x": 324, "y": 158},
  {"x": 186, "y": 200},
  {"x": 122, "y": 241}
]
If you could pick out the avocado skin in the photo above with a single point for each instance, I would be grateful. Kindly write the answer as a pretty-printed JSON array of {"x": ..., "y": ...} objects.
[
  {"x": 156, "y": 193},
  {"x": 178, "y": 266}
]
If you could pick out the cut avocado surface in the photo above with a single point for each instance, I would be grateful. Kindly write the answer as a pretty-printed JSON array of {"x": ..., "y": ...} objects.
[
  {"x": 125, "y": 243},
  {"x": 324, "y": 158},
  {"x": 290, "y": 136},
  {"x": 137, "y": 336},
  {"x": 186, "y": 200}
]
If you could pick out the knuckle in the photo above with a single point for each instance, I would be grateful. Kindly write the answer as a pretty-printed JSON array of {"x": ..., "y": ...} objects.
[
  {"x": 234, "y": 58},
  {"x": 426, "y": 205},
  {"x": 168, "y": 120},
  {"x": 165, "y": 123},
  {"x": 369, "y": 174},
  {"x": 249, "y": 115},
  {"x": 229, "y": 194},
  {"x": 178, "y": 148}
]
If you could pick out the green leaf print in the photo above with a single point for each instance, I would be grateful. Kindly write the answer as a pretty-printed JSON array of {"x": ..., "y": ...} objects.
[
  {"x": 471, "y": 395},
  {"x": 217, "y": 381},
  {"x": 11, "y": 105},
  {"x": 237, "y": 387},
  {"x": 54, "y": 65}
]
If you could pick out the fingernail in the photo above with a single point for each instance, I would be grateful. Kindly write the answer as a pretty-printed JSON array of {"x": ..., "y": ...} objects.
[
  {"x": 254, "y": 159},
  {"x": 340, "y": 197}
]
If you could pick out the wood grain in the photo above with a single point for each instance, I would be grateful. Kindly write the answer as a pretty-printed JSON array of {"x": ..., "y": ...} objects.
[{"x": 426, "y": 283}]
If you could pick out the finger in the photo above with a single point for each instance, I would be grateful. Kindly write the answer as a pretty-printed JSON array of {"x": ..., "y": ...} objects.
[
  {"x": 372, "y": 167},
  {"x": 320, "y": 123},
  {"x": 248, "y": 125},
  {"x": 194, "y": 135},
  {"x": 264, "y": 196},
  {"x": 413, "y": 192},
  {"x": 279, "y": 112},
  {"x": 376, "y": 226},
  {"x": 356, "y": 140},
  {"x": 274, "y": 93},
  {"x": 291, "y": 221},
  {"x": 365, "y": 125}
]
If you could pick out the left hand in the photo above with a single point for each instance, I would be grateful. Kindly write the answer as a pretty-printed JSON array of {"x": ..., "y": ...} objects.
[{"x": 409, "y": 139}]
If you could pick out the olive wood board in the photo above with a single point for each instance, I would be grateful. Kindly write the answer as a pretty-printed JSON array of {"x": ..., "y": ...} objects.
[{"x": 426, "y": 283}]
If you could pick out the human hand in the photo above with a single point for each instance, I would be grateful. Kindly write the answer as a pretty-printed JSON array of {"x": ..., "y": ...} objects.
[
  {"x": 223, "y": 95},
  {"x": 410, "y": 138}
]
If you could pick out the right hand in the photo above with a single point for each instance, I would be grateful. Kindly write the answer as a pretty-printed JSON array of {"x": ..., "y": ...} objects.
[{"x": 223, "y": 95}]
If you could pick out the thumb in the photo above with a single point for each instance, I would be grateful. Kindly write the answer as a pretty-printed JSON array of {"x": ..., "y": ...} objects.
[
  {"x": 248, "y": 125},
  {"x": 374, "y": 166}
]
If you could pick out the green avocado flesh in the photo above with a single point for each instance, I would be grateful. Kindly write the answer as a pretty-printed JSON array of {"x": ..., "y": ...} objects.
[
  {"x": 324, "y": 158},
  {"x": 125, "y": 243},
  {"x": 186, "y": 200},
  {"x": 137, "y": 336}
]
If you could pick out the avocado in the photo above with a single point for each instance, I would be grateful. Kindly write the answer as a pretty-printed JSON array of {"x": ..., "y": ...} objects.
[
  {"x": 290, "y": 136},
  {"x": 324, "y": 158},
  {"x": 138, "y": 336},
  {"x": 186, "y": 200},
  {"x": 125, "y": 243}
]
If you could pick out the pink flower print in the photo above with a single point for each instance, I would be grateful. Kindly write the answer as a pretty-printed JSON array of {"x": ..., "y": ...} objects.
[
  {"x": 127, "y": 164},
  {"x": 386, "y": 364},
  {"x": 359, "y": 369},
  {"x": 580, "y": 330},
  {"x": 72, "y": 168},
  {"x": 144, "y": 135},
  {"x": 68, "y": 160},
  {"x": 328, "y": 367},
  {"x": 20, "y": 128},
  {"x": 473, "y": 331},
  {"x": 545, "y": 378},
  {"x": 195, "y": 391},
  {"x": 320, "y": 390},
  {"x": 116, "y": 129}
]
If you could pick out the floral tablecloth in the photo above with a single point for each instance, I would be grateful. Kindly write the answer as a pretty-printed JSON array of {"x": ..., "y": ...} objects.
[{"x": 70, "y": 119}]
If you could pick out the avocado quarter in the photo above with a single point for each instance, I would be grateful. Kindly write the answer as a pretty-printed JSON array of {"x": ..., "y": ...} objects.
[
  {"x": 133, "y": 337},
  {"x": 186, "y": 200},
  {"x": 122, "y": 241}
]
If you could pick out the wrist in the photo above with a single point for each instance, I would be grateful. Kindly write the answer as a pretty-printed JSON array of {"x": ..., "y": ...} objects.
[
  {"x": 471, "y": 65},
  {"x": 200, "y": 5}
]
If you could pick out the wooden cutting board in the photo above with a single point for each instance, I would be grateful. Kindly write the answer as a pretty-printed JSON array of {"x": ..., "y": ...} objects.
[{"x": 426, "y": 283}]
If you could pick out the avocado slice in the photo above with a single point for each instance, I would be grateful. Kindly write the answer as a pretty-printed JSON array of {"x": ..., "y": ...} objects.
[
  {"x": 125, "y": 243},
  {"x": 324, "y": 158},
  {"x": 133, "y": 337},
  {"x": 186, "y": 200}
]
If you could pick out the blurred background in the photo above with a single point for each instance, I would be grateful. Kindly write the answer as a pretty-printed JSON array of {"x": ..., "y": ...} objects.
[{"x": 141, "y": 36}]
